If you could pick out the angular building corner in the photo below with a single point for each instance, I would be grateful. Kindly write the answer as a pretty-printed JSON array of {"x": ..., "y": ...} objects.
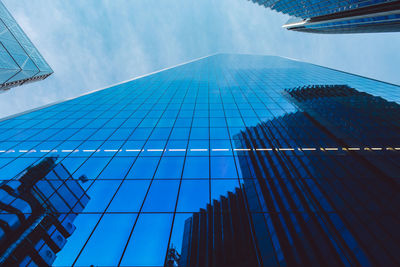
[
  {"x": 20, "y": 61},
  {"x": 337, "y": 16}
]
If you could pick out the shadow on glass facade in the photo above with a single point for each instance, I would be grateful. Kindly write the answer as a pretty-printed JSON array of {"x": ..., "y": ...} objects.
[
  {"x": 219, "y": 235},
  {"x": 161, "y": 151},
  {"x": 20, "y": 61},
  {"x": 326, "y": 203},
  {"x": 357, "y": 16},
  {"x": 330, "y": 202},
  {"x": 37, "y": 214}
]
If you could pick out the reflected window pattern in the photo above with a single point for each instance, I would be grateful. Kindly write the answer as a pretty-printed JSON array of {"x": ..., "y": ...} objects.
[
  {"x": 37, "y": 214},
  {"x": 20, "y": 61},
  {"x": 336, "y": 204},
  {"x": 218, "y": 235},
  {"x": 157, "y": 150}
]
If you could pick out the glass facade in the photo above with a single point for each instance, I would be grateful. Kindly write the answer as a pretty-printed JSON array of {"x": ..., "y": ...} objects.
[
  {"x": 356, "y": 16},
  {"x": 315, "y": 8},
  {"x": 20, "y": 61},
  {"x": 184, "y": 166}
]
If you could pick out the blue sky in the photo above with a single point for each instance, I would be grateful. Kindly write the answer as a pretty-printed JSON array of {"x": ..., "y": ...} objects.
[{"x": 94, "y": 43}]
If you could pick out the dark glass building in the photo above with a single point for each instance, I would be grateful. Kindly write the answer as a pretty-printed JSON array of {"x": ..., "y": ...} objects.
[
  {"x": 358, "y": 16},
  {"x": 37, "y": 211},
  {"x": 306, "y": 158},
  {"x": 20, "y": 61}
]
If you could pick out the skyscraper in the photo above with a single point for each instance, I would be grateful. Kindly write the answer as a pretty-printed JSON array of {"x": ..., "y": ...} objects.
[
  {"x": 313, "y": 151},
  {"x": 357, "y": 16},
  {"x": 20, "y": 61}
]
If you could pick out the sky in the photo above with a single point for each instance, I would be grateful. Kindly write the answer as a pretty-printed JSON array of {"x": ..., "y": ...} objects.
[{"x": 92, "y": 44}]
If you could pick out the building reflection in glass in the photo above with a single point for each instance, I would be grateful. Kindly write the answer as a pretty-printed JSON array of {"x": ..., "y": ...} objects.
[
  {"x": 157, "y": 149},
  {"x": 37, "y": 214},
  {"x": 320, "y": 186},
  {"x": 219, "y": 235}
]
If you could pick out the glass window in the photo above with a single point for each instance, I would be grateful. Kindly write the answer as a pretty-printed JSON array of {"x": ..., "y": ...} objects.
[
  {"x": 108, "y": 149},
  {"x": 143, "y": 168},
  {"x": 101, "y": 193},
  {"x": 198, "y": 148},
  {"x": 219, "y": 133},
  {"x": 84, "y": 226},
  {"x": 117, "y": 168},
  {"x": 131, "y": 148},
  {"x": 193, "y": 195},
  {"x": 130, "y": 196},
  {"x": 199, "y": 133},
  {"x": 148, "y": 245},
  {"x": 170, "y": 168},
  {"x": 222, "y": 187},
  {"x": 107, "y": 243},
  {"x": 179, "y": 230},
  {"x": 196, "y": 168},
  {"x": 15, "y": 167},
  {"x": 92, "y": 167},
  {"x": 154, "y": 148},
  {"x": 200, "y": 122},
  {"x": 180, "y": 133},
  {"x": 223, "y": 167},
  {"x": 121, "y": 134},
  {"x": 162, "y": 196},
  {"x": 176, "y": 148},
  {"x": 160, "y": 134},
  {"x": 141, "y": 134}
]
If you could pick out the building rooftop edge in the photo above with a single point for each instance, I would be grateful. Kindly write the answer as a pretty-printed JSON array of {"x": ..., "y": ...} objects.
[
  {"x": 103, "y": 88},
  {"x": 174, "y": 66}
]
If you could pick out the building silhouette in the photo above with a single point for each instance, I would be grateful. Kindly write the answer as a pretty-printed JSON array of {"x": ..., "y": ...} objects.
[
  {"x": 20, "y": 61},
  {"x": 339, "y": 16},
  {"x": 37, "y": 214}
]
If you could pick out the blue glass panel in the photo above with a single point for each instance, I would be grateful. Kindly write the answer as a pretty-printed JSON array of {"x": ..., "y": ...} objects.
[
  {"x": 193, "y": 195},
  {"x": 149, "y": 241},
  {"x": 143, "y": 168},
  {"x": 170, "y": 167},
  {"x": 199, "y": 133},
  {"x": 101, "y": 192},
  {"x": 180, "y": 133},
  {"x": 104, "y": 248},
  {"x": 196, "y": 168},
  {"x": 223, "y": 167},
  {"x": 15, "y": 167},
  {"x": 222, "y": 187},
  {"x": 92, "y": 167},
  {"x": 129, "y": 197},
  {"x": 162, "y": 196},
  {"x": 85, "y": 224},
  {"x": 117, "y": 168},
  {"x": 141, "y": 134}
]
